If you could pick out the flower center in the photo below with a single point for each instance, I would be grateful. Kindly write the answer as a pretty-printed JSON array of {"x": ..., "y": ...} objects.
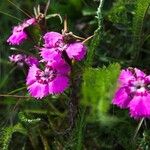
[
  {"x": 138, "y": 86},
  {"x": 46, "y": 76}
]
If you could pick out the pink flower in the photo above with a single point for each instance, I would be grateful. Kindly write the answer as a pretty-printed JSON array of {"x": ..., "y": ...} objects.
[
  {"x": 51, "y": 38},
  {"x": 76, "y": 51},
  {"x": 19, "y": 34},
  {"x": 134, "y": 93},
  {"x": 31, "y": 60},
  {"x": 29, "y": 22},
  {"x": 18, "y": 59},
  {"x": 52, "y": 80},
  {"x": 50, "y": 54},
  {"x": 55, "y": 45},
  {"x": 21, "y": 59}
]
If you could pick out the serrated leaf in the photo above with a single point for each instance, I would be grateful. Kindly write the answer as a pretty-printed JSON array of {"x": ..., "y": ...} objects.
[
  {"x": 138, "y": 21},
  {"x": 98, "y": 88}
]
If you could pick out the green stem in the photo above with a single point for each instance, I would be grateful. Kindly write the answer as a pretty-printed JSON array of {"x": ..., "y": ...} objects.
[
  {"x": 10, "y": 15},
  {"x": 138, "y": 128},
  {"x": 17, "y": 90},
  {"x": 19, "y": 8},
  {"x": 7, "y": 77},
  {"x": 97, "y": 35},
  {"x": 44, "y": 141}
]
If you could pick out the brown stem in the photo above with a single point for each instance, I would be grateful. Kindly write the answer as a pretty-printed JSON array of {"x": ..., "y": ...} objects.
[
  {"x": 88, "y": 39},
  {"x": 74, "y": 96}
]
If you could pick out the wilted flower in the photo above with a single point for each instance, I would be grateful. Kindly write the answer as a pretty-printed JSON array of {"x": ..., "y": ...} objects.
[
  {"x": 55, "y": 44},
  {"x": 21, "y": 59},
  {"x": 19, "y": 34},
  {"x": 18, "y": 59},
  {"x": 134, "y": 93},
  {"x": 53, "y": 79}
]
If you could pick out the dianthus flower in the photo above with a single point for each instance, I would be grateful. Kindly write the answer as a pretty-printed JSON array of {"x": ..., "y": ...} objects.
[
  {"x": 53, "y": 79},
  {"x": 31, "y": 60},
  {"x": 18, "y": 59},
  {"x": 55, "y": 43},
  {"x": 134, "y": 93},
  {"x": 19, "y": 34},
  {"x": 21, "y": 59}
]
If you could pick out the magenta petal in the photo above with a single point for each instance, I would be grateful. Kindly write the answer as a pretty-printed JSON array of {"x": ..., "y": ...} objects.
[
  {"x": 125, "y": 77},
  {"x": 51, "y": 38},
  {"x": 31, "y": 60},
  {"x": 17, "y": 37},
  {"x": 147, "y": 78},
  {"x": 29, "y": 22},
  {"x": 17, "y": 58},
  {"x": 31, "y": 77},
  {"x": 76, "y": 51},
  {"x": 140, "y": 107},
  {"x": 58, "y": 85},
  {"x": 139, "y": 73},
  {"x": 61, "y": 66},
  {"x": 38, "y": 90},
  {"x": 50, "y": 54},
  {"x": 121, "y": 98}
]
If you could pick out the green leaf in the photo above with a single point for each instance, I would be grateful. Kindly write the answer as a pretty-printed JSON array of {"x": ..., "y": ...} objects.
[
  {"x": 7, "y": 133},
  {"x": 98, "y": 88},
  {"x": 76, "y": 3},
  {"x": 6, "y": 78},
  {"x": 97, "y": 35},
  {"x": 138, "y": 21},
  {"x": 88, "y": 12},
  {"x": 28, "y": 119}
]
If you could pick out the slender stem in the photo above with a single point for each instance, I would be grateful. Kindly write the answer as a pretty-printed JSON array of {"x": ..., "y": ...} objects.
[
  {"x": 7, "y": 77},
  {"x": 77, "y": 37},
  {"x": 16, "y": 96},
  {"x": 54, "y": 108},
  {"x": 44, "y": 141},
  {"x": 97, "y": 35},
  {"x": 99, "y": 14},
  {"x": 19, "y": 8},
  {"x": 138, "y": 128},
  {"x": 35, "y": 111},
  {"x": 10, "y": 15},
  {"x": 88, "y": 39},
  {"x": 16, "y": 90},
  {"x": 54, "y": 15},
  {"x": 46, "y": 9},
  {"x": 65, "y": 25}
]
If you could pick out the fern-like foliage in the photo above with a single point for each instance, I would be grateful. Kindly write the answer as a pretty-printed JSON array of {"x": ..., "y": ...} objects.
[
  {"x": 98, "y": 88},
  {"x": 144, "y": 142},
  {"x": 138, "y": 21},
  {"x": 7, "y": 133},
  {"x": 97, "y": 35},
  {"x": 27, "y": 119},
  {"x": 118, "y": 13}
]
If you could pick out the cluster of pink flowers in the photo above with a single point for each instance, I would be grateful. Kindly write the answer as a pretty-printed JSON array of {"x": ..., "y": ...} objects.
[
  {"x": 49, "y": 75},
  {"x": 55, "y": 44},
  {"x": 134, "y": 93}
]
